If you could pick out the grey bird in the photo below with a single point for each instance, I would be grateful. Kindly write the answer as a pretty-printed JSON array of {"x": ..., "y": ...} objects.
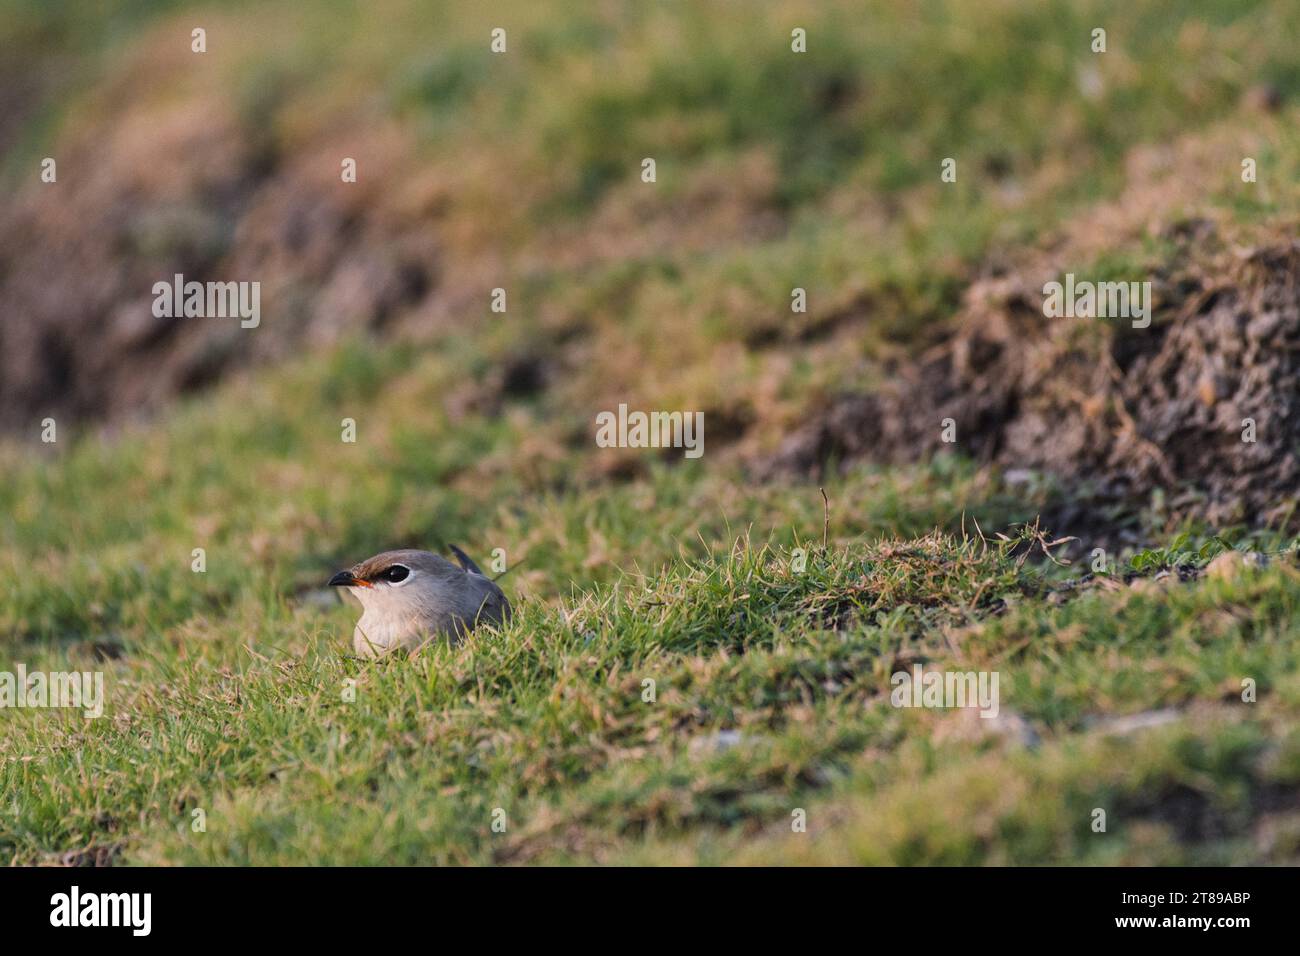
[{"x": 410, "y": 598}]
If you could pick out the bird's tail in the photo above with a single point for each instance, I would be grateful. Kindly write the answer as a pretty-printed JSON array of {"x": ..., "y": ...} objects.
[{"x": 464, "y": 560}]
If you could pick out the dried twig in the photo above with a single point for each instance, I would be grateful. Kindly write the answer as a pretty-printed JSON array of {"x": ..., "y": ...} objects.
[{"x": 826, "y": 517}]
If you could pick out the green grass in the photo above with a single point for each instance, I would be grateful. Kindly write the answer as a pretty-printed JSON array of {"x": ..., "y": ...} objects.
[
  {"x": 245, "y": 716},
  {"x": 228, "y": 694}
]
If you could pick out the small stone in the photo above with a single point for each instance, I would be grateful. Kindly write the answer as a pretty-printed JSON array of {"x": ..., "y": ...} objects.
[
  {"x": 1130, "y": 723},
  {"x": 717, "y": 742},
  {"x": 968, "y": 725}
]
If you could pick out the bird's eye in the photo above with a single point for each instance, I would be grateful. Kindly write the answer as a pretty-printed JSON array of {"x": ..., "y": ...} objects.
[{"x": 395, "y": 573}]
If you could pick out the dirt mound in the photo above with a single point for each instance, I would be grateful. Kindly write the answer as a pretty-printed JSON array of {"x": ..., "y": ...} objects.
[
  {"x": 1114, "y": 411},
  {"x": 165, "y": 179}
]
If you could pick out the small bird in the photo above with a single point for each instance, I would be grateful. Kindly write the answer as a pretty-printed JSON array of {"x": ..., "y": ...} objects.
[{"x": 410, "y": 597}]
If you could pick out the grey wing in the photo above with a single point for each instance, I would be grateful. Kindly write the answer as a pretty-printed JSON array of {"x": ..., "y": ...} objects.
[{"x": 487, "y": 601}]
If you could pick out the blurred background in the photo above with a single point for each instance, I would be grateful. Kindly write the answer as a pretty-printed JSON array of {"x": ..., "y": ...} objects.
[
  {"x": 776, "y": 170},
  {"x": 818, "y": 171}
]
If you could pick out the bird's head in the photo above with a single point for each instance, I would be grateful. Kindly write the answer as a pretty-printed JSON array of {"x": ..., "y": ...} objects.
[{"x": 386, "y": 578}]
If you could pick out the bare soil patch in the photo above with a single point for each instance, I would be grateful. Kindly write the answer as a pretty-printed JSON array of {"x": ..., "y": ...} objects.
[{"x": 1114, "y": 411}]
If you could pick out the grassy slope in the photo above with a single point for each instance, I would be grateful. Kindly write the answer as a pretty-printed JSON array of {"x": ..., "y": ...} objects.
[{"x": 227, "y": 694}]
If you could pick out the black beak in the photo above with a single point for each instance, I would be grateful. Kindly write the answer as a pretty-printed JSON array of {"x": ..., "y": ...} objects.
[{"x": 343, "y": 579}]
